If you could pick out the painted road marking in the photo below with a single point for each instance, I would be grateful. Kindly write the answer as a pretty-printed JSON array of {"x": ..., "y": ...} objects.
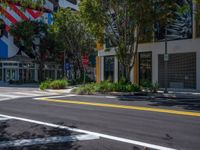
[
  {"x": 74, "y": 95},
  {"x": 124, "y": 140},
  {"x": 26, "y": 94},
  {"x": 168, "y": 111},
  {"x": 5, "y": 99},
  {"x": 49, "y": 140}
]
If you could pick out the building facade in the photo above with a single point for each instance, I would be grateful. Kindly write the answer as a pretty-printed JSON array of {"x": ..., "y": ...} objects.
[
  {"x": 183, "y": 49},
  {"x": 15, "y": 64}
]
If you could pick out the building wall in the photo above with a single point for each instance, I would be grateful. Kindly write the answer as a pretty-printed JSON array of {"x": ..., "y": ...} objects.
[
  {"x": 185, "y": 44},
  {"x": 174, "y": 47}
]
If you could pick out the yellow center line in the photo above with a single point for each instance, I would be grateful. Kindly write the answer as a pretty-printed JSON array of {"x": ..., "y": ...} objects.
[{"x": 169, "y": 111}]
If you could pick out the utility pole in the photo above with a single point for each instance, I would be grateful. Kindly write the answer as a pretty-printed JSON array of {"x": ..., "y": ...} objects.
[{"x": 166, "y": 59}]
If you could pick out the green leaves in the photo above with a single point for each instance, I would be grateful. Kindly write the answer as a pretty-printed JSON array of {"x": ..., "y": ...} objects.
[
  {"x": 71, "y": 32},
  {"x": 24, "y": 3}
]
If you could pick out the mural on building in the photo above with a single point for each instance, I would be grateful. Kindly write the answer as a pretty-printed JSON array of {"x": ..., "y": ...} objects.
[
  {"x": 181, "y": 26},
  {"x": 13, "y": 14}
]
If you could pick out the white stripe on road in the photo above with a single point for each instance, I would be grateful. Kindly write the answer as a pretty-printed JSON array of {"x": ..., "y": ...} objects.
[
  {"x": 9, "y": 95},
  {"x": 5, "y": 99},
  {"x": 74, "y": 95},
  {"x": 49, "y": 140},
  {"x": 156, "y": 147},
  {"x": 43, "y": 92},
  {"x": 26, "y": 94}
]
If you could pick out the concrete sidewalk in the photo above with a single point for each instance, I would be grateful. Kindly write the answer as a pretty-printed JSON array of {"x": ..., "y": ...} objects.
[{"x": 143, "y": 95}]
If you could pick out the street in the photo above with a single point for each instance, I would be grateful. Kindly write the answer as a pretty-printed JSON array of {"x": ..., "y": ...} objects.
[{"x": 103, "y": 122}]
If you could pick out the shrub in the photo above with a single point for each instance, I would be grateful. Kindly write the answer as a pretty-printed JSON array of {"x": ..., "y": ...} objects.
[
  {"x": 155, "y": 87},
  {"x": 45, "y": 85},
  {"x": 148, "y": 85},
  {"x": 106, "y": 86},
  {"x": 56, "y": 84}
]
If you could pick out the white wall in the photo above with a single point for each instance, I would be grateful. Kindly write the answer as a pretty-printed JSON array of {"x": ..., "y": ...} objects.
[
  {"x": 179, "y": 46},
  {"x": 198, "y": 70}
]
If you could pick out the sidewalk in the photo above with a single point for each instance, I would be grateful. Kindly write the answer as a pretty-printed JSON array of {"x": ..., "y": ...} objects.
[{"x": 141, "y": 95}]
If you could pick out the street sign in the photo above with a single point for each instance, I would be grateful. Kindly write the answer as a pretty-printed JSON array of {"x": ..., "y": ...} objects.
[
  {"x": 166, "y": 57},
  {"x": 85, "y": 60},
  {"x": 67, "y": 66}
]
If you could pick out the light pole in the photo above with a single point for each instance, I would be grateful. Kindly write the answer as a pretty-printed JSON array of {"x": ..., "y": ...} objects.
[{"x": 166, "y": 59}]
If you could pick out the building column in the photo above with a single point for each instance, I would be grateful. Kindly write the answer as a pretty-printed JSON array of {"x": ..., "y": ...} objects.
[
  {"x": 116, "y": 69},
  {"x": 55, "y": 72},
  {"x": 102, "y": 68},
  {"x": 194, "y": 20},
  {"x": 154, "y": 66},
  {"x": 3, "y": 79},
  {"x": 98, "y": 69},
  {"x": 136, "y": 70},
  {"x": 198, "y": 70},
  {"x": 36, "y": 72}
]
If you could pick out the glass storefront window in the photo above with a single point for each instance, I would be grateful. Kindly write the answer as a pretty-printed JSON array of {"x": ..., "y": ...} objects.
[
  {"x": 145, "y": 66},
  {"x": 1, "y": 78},
  {"x": 109, "y": 62}
]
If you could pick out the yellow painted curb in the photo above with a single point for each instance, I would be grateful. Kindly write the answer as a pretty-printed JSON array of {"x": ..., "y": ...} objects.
[{"x": 169, "y": 111}]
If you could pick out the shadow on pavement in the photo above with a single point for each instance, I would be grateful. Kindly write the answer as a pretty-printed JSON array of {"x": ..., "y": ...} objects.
[
  {"x": 35, "y": 131},
  {"x": 184, "y": 103}
]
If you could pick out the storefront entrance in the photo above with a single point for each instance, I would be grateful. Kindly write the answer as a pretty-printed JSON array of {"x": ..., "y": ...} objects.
[
  {"x": 16, "y": 71},
  {"x": 10, "y": 74},
  {"x": 145, "y": 67}
]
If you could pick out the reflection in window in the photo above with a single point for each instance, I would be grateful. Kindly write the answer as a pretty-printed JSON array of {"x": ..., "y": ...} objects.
[
  {"x": 109, "y": 68},
  {"x": 145, "y": 66},
  {"x": 178, "y": 28}
]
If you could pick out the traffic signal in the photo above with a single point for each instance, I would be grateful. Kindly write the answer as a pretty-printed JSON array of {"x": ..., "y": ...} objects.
[{"x": 2, "y": 27}]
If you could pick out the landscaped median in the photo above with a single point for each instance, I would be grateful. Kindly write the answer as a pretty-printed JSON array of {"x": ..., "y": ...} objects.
[{"x": 106, "y": 87}]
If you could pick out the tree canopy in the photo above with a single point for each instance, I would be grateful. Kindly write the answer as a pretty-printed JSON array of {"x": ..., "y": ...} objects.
[
  {"x": 24, "y": 3},
  {"x": 73, "y": 37},
  {"x": 33, "y": 38},
  {"x": 125, "y": 24}
]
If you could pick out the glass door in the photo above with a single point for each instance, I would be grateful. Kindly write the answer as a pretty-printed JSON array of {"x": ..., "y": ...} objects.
[{"x": 10, "y": 74}]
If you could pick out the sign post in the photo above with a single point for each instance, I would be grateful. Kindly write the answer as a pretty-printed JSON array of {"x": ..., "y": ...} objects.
[
  {"x": 166, "y": 59},
  {"x": 85, "y": 62}
]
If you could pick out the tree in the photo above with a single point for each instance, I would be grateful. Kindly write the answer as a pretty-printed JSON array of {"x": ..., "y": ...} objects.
[
  {"x": 24, "y": 3},
  {"x": 33, "y": 38},
  {"x": 73, "y": 38},
  {"x": 198, "y": 10},
  {"x": 125, "y": 23}
]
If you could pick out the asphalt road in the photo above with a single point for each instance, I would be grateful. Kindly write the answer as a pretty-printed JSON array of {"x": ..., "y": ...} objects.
[{"x": 169, "y": 130}]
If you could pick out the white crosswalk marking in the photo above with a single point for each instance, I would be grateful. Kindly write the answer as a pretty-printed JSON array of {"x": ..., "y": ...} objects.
[{"x": 4, "y": 96}]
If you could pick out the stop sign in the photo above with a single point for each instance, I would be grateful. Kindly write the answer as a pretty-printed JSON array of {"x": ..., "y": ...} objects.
[{"x": 85, "y": 60}]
